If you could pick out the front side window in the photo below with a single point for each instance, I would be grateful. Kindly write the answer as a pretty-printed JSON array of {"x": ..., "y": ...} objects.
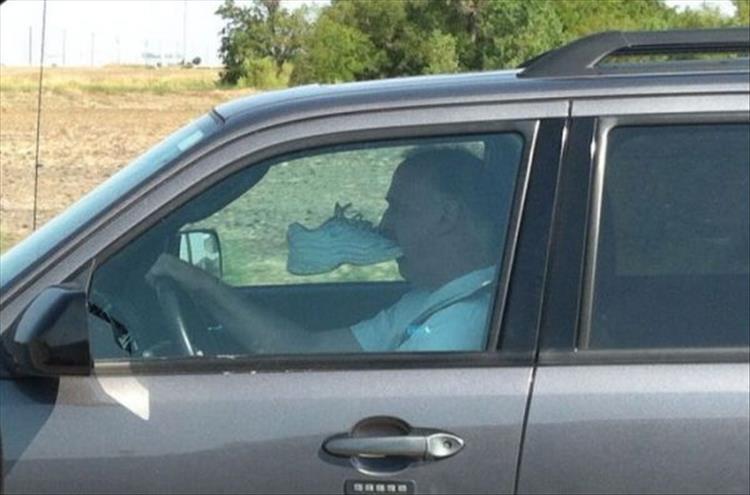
[
  {"x": 42, "y": 242},
  {"x": 376, "y": 247},
  {"x": 672, "y": 256}
]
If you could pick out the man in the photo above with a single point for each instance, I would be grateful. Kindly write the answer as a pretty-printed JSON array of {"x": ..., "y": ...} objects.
[{"x": 440, "y": 214}]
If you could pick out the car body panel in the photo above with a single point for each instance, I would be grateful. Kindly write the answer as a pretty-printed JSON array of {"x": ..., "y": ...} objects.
[
  {"x": 673, "y": 104},
  {"x": 645, "y": 420},
  {"x": 261, "y": 432},
  {"x": 672, "y": 428}
]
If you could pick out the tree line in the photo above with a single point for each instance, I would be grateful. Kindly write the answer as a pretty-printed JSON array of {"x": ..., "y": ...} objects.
[{"x": 265, "y": 45}]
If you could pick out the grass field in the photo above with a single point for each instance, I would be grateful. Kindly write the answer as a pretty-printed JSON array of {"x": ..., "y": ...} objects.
[
  {"x": 94, "y": 121},
  {"x": 109, "y": 80}
]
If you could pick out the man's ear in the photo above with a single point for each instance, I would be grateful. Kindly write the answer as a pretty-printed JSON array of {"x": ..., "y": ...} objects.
[{"x": 451, "y": 214}]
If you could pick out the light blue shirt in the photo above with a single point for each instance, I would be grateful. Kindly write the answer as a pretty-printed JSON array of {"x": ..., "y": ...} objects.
[{"x": 451, "y": 318}]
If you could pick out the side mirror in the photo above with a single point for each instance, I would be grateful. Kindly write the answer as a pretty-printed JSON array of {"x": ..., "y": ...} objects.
[
  {"x": 51, "y": 336},
  {"x": 202, "y": 248}
]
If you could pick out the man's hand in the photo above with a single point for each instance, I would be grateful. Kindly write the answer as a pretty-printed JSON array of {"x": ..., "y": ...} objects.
[{"x": 257, "y": 328}]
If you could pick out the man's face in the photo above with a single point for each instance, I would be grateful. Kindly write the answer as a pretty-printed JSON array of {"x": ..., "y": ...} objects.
[{"x": 412, "y": 220}]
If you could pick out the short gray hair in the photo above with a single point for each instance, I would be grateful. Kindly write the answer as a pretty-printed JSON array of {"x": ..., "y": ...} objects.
[{"x": 459, "y": 174}]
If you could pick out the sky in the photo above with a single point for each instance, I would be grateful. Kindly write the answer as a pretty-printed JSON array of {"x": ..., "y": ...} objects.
[
  {"x": 88, "y": 32},
  {"x": 95, "y": 33}
]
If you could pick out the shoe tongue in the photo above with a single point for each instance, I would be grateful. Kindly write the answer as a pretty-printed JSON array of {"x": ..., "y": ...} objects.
[{"x": 294, "y": 229}]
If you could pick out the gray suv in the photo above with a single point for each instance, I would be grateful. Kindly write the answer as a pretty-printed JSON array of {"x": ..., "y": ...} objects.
[{"x": 527, "y": 281}]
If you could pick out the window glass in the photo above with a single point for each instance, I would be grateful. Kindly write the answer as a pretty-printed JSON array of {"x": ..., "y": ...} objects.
[
  {"x": 389, "y": 246},
  {"x": 43, "y": 241},
  {"x": 303, "y": 190},
  {"x": 672, "y": 261}
]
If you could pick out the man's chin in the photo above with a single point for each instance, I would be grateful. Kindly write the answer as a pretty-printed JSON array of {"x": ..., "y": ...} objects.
[
  {"x": 407, "y": 273},
  {"x": 402, "y": 264}
]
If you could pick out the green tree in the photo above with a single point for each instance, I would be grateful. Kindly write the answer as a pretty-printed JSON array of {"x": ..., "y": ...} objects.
[
  {"x": 262, "y": 73},
  {"x": 371, "y": 39},
  {"x": 705, "y": 17},
  {"x": 742, "y": 13},
  {"x": 333, "y": 52},
  {"x": 584, "y": 17},
  {"x": 262, "y": 30},
  {"x": 394, "y": 38},
  {"x": 384, "y": 24},
  {"x": 461, "y": 19},
  {"x": 439, "y": 52},
  {"x": 516, "y": 30}
]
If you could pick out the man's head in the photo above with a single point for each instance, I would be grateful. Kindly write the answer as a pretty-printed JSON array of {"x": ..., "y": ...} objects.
[{"x": 440, "y": 214}]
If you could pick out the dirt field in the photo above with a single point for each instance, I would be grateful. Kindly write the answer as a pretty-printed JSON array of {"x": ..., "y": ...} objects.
[{"x": 94, "y": 121}]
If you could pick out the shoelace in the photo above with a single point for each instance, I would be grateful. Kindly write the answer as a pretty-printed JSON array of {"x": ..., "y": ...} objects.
[{"x": 356, "y": 219}]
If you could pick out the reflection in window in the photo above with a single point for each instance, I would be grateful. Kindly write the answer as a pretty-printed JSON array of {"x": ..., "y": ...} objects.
[{"x": 673, "y": 256}]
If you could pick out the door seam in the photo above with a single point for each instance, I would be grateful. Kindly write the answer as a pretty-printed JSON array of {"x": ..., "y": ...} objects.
[{"x": 550, "y": 242}]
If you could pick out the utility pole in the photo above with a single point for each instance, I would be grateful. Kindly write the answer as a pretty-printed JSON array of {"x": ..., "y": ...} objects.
[
  {"x": 65, "y": 33},
  {"x": 117, "y": 41},
  {"x": 30, "y": 37},
  {"x": 184, "y": 31},
  {"x": 92, "y": 49}
]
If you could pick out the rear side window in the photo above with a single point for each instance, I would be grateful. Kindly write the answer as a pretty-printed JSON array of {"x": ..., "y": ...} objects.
[{"x": 672, "y": 258}]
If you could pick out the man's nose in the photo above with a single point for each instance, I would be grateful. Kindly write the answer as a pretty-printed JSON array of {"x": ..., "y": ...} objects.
[{"x": 385, "y": 226}]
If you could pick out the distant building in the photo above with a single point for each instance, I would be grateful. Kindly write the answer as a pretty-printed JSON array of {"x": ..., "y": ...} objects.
[{"x": 161, "y": 59}]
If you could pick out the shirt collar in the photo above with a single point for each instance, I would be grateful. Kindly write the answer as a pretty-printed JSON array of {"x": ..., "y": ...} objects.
[{"x": 462, "y": 286}]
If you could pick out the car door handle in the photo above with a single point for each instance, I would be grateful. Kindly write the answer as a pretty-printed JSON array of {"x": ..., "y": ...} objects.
[{"x": 437, "y": 445}]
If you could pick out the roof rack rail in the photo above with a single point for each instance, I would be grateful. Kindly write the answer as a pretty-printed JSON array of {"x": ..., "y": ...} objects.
[{"x": 580, "y": 58}]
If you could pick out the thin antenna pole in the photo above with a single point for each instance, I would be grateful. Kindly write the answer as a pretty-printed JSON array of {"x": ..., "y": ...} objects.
[
  {"x": 31, "y": 58},
  {"x": 184, "y": 32},
  {"x": 39, "y": 115}
]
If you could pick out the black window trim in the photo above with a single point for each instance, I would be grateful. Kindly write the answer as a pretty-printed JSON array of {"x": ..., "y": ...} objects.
[
  {"x": 530, "y": 128},
  {"x": 565, "y": 268},
  {"x": 576, "y": 352},
  {"x": 310, "y": 362},
  {"x": 707, "y": 355}
]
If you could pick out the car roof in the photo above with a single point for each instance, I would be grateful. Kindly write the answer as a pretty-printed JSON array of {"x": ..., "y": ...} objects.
[{"x": 477, "y": 87}]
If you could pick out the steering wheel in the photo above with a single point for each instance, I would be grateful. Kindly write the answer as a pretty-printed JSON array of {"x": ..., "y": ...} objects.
[{"x": 182, "y": 320}]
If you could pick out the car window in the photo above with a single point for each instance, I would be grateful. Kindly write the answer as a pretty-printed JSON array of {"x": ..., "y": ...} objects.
[
  {"x": 386, "y": 246},
  {"x": 672, "y": 267},
  {"x": 43, "y": 241}
]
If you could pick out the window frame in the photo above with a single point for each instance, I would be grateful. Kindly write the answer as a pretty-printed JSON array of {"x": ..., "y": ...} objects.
[
  {"x": 261, "y": 129},
  {"x": 528, "y": 129},
  {"x": 524, "y": 122},
  {"x": 567, "y": 320}
]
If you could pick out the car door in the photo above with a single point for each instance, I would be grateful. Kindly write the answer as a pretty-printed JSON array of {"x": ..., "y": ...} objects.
[
  {"x": 642, "y": 384},
  {"x": 160, "y": 421}
]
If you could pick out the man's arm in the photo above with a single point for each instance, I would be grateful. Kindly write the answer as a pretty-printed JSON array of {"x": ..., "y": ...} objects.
[{"x": 257, "y": 328}]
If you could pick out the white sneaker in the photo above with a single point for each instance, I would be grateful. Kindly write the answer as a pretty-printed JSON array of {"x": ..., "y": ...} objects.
[{"x": 336, "y": 241}]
